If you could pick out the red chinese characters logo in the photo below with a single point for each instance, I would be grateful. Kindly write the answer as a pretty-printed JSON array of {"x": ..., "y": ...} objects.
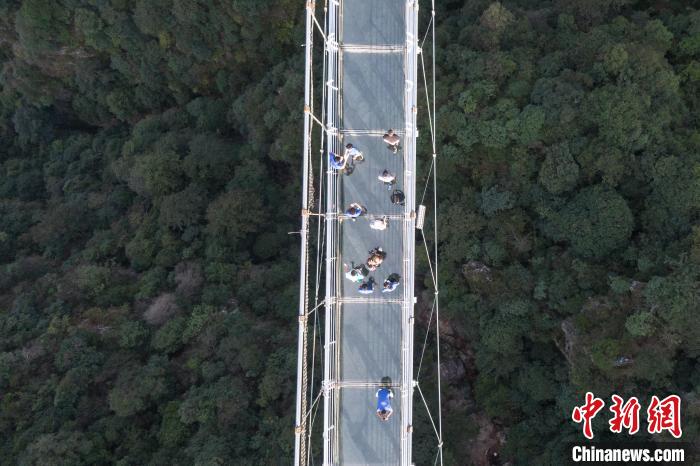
[
  {"x": 665, "y": 415},
  {"x": 662, "y": 415},
  {"x": 624, "y": 415},
  {"x": 587, "y": 412}
]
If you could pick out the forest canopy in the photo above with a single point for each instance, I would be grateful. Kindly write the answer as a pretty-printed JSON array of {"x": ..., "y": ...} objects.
[{"x": 150, "y": 159}]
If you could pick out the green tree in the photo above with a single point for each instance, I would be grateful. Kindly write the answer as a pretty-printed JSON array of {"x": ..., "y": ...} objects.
[
  {"x": 640, "y": 324},
  {"x": 182, "y": 209},
  {"x": 234, "y": 214},
  {"x": 493, "y": 201},
  {"x": 596, "y": 222},
  {"x": 559, "y": 171},
  {"x": 619, "y": 115},
  {"x": 531, "y": 121},
  {"x": 137, "y": 387}
]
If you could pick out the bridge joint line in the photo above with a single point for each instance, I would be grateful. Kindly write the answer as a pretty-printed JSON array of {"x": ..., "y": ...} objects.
[
  {"x": 373, "y": 216},
  {"x": 359, "y": 48},
  {"x": 369, "y": 132},
  {"x": 340, "y": 384},
  {"x": 358, "y": 300}
]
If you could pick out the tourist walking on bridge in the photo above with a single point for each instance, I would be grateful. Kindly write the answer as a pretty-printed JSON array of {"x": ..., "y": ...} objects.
[
  {"x": 367, "y": 287},
  {"x": 392, "y": 139},
  {"x": 352, "y": 154},
  {"x": 379, "y": 223},
  {"x": 388, "y": 178},
  {"x": 384, "y": 409},
  {"x": 356, "y": 273},
  {"x": 398, "y": 197},
  {"x": 375, "y": 259},
  {"x": 391, "y": 283},
  {"x": 355, "y": 210},
  {"x": 336, "y": 161}
]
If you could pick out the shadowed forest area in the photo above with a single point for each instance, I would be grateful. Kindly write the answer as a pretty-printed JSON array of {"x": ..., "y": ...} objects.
[{"x": 150, "y": 158}]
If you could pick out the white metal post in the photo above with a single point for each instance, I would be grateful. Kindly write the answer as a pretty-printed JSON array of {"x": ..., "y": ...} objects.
[
  {"x": 330, "y": 346},
  {"x": 410, "y": 113}
]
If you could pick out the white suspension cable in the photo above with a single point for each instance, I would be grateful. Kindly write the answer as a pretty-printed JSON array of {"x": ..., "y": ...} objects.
[
  {"x": 427, "y": 102},
  {"x": 433, "y": 263},
  {"x": 427, "y": 181},
  {"x": 318, "y": 26},
  {"x": 433, "y": 275},
  {"x": 318, "y": 397},
  {"x": 427, "y": 30},
  {"x": 430, "y": 416},
  {"x": 425, "y": 341},
  {"x": 435, "y": 232}
]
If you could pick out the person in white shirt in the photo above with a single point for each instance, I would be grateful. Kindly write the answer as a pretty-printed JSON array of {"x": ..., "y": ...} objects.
[
  {"x": 351, "y": 153},
  {"x": 379, "y": 223},
  {"x": 388, "y": 178},
  {"x": 356, "y": 273}
]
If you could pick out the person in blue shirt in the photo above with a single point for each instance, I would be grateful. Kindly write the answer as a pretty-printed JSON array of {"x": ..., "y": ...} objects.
[
  {"x": 391, "y": 283},
  {"x": 384, "y": 409},
  {"x": 367, "y": 287},
  {"x": 354, "y": 211},
  {"x": 336, "y": 161}
]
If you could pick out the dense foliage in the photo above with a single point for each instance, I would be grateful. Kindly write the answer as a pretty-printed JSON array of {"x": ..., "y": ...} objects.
[
  {"x": 149, "y": 176},
  {"x": 570, "y": 194}
]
